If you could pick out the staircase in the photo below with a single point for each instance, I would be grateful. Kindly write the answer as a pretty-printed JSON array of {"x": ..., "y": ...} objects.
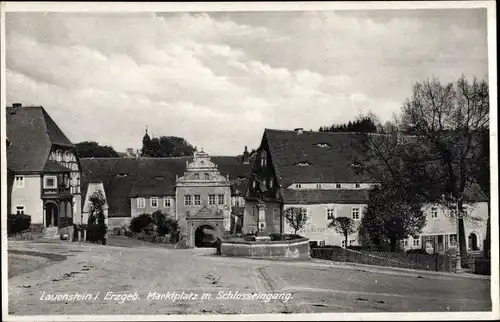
[{"x": 51, "y": 232}]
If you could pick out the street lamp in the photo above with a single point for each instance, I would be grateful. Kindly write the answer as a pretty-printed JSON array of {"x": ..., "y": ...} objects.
[{"x": 455, "y": 201}]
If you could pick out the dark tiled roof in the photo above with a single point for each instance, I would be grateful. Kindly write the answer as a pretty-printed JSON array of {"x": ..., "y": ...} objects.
[
  {"x": 32, "y": 132},
  {"x": 132, "y": 177},
  {"x": 305, "y": 197},
  {"x": 53, "y": 166},
  {"x": 329, "y": 156}
]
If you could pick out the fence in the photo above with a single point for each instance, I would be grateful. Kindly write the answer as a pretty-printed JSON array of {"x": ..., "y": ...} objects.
[{"x": 429, "y": 262}]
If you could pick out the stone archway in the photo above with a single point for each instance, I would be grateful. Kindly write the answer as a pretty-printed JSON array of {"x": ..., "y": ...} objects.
[{"x": 203, "y": 236}]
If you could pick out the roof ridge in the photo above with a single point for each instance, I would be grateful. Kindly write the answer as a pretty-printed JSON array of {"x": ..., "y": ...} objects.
[{"x": 328, "y": 133}]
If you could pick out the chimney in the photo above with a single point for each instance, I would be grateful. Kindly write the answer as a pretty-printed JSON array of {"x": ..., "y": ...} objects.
[
  {"x": 246, "y": 159},
  {"x": 299, "y": 130},
  {"x": 17, "y": 105}
]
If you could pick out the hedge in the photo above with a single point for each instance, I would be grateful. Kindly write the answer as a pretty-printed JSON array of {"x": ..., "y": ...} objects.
[{"x": 17, "y": 223}]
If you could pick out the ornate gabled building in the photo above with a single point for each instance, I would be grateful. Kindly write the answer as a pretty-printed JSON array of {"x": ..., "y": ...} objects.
[
  {"x": 199, "y": 191},
  {"x": 317, "y": 171},
  {"x": 43, "y": 170}
]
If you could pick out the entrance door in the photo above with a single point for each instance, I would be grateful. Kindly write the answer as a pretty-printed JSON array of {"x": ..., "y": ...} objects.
[
  {"x": 51, "y": 215},
  {"x": 205, "y": 236},
  {"x": 473, "y": 244}
]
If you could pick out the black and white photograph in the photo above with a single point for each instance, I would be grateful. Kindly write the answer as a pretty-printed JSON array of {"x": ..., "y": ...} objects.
[{"x": 249, "y": 161}]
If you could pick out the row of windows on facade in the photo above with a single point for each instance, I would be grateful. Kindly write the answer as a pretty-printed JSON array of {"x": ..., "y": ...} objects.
[
  {"x": 49, "y": 182},
  {"x": 319, "y": 185},
  {"x": 66, "y": 158},
  {"x": 21, "y": 210},
  {"x": 189, "y": 200},
  {"x": 355, "y": 213}
]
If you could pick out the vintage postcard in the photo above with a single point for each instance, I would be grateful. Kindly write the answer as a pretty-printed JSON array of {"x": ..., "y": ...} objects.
[{"x": 249, "y": 161}]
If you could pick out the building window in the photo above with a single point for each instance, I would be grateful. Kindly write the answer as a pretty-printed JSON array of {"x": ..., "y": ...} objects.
[
  {"x": 405, "y": 242},
  {"x": 20, "y": 210},
  {"x": 330, "y": 214},
  {"x": 355, "y": 213},
  {"x": 66, "y": 157},
  {"x": 167, "y": 201},
  {"x": 416, "y": 241},
  {"x": 188, "y": 200},
  {"x": 453, "y": 240},
  {"x": 318, "y": 186},
  {"x": 220, "y": 199},
  {"x": 254, "y": 184},
  {"x": 358, "y": 185},
  {"x": 197, "y": 200},
  {"x": 59, "y": 156},
  {"x": 50, "y": 182},
  {"x": 197, "y": 176},
  {"x": 19, "y": 181},
  {"x": 154, "y": 202},
  {"x": 264, "y": 183},
  {"x": 338, "y": 186},
  {"x": 207, "y": 176},
  {"x": 263, "y": 159},
  {"x": 434, "y": 212},
  {"x": 343, "y": 244},
  {"x": 321, "y": 243},
  {"x": 211, "y": 199},
  {"x": 298, "y": 186},
  {"x": 141, "y": 202}
]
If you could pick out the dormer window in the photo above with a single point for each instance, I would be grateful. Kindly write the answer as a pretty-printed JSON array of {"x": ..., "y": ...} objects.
[
  {"x": 303, "y": 164},
  {"x": 323, "y": 145},
  {"x": 19, "y": 181},
  {"x": 358, "y": 185},
  {"x": 338, "y": 185},
  {"x": 263, "y": 159},
  {"x": 318, "y": 186},
  {"x": 298, "y": 185},
  {"x": 121, "y": 175},
  {"x": 271, "y": 183}
]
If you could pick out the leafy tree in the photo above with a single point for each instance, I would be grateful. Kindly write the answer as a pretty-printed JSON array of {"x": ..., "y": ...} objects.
[
  {"x": 91, "y": 149},
  {"x": 344, "y": 226},
  {"x": 137, "y": 224},
  {"x": 96, "y": 224},
  {"x": 391, "y": 216},
  {"x": 296, "y": 217},
  {"x": 166, "y": 146},
  {"x": 363, "y": 124}
]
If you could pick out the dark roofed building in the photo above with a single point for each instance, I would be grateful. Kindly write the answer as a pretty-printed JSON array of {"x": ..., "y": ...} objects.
[
  {"x": 319, "y": 172},
  {"x": 44, "y": 171}
]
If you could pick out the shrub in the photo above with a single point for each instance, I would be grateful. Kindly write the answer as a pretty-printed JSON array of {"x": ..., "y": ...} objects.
[
  {"x": 96, "y": 233},
  {"x": 416, "y": 251},
  {"x": 17, "y": 223},
  {"x": 137, "y": 224}
]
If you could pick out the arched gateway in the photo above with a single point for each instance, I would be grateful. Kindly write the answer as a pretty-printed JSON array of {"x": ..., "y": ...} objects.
[{"x": 205, "y": 236}]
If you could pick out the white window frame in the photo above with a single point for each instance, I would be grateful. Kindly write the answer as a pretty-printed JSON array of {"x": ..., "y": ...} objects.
[
  {"x": 221, "y": 201},
  {"x": 21, "y": 211},
  {"x": 416, "y": 242},
  {"x": 197, "y": 200},
  {"x": 456, "y": 240},
  {"x": 167, "y": 202},
  {"x": 330, "y": 214},
  {"x": 357, "y": 211},
  {"x": 318, "y": 186},
  {"x": 188, "y": 200},
  {"x": 154, "y": 200},
  {"x": 45, "y": 186},
  {"x": 405, "y": 242},
  {"x": 212, "y": 200},
  {"x": 19, "y": 181},
  {"x": 434, "y": 212},
  {"x": 342, "y": 244},
  {"x": 236, "y": 201},
  {"x": 141, "y": 202}
]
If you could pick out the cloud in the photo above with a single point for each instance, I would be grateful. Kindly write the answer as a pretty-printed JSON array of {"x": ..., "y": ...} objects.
[{"x": 219, "y": 79}]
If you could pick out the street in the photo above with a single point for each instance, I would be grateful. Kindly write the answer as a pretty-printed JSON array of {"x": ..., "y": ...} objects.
[{"x": 315, "y": 286}]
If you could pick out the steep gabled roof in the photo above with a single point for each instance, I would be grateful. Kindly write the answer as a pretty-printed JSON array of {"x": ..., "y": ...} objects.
[
  {"x": 314, "y": 157},
  {"x": 31, "y": 132},
  {"x": 124, "y": 178}
]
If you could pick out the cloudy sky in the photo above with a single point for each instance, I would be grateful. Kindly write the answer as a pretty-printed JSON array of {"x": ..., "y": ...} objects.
[{"x": 219, "y": 79}]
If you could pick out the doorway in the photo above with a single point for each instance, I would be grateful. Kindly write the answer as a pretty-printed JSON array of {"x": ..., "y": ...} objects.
[
  {"x": 205, "y": 236},
  {"x": 51, "y": 215},
  {"x": 473, "y": 244}
]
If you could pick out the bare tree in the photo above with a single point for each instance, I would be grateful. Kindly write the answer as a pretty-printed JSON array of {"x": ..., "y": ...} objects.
[
  {"x": 296, "y": 217},
  {"x": 344, "y": 226}
]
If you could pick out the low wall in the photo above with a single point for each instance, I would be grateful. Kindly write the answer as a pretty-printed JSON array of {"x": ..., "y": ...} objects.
[
  {"x": 430, "y": 262},
  {"x": 285, "y": 249}
]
